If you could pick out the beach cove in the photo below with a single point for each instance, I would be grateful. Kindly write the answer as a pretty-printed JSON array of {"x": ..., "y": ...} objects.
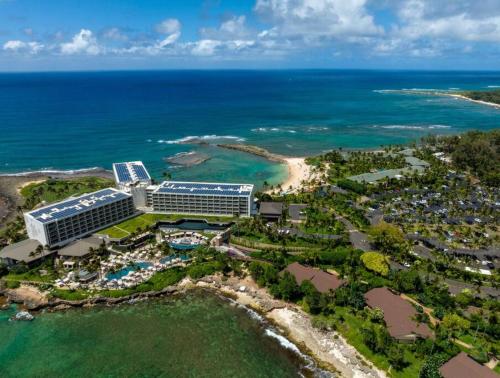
[{"x": 311, "y": 352}]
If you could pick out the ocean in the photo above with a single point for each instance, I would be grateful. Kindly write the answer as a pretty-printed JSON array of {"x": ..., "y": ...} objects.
[
  {"x": 66, "y": 121},
  {"x": 182, "y": 337}
]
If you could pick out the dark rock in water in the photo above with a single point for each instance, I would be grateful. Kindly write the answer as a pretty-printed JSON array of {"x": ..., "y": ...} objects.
[
  {"x": 23, "y": 315},
  {"x": 187, "y": 159}
]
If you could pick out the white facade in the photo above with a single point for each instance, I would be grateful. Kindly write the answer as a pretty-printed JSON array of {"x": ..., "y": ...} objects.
[
  {"x": 60, "y": 223},
  {"x": 200, "y": 198}
]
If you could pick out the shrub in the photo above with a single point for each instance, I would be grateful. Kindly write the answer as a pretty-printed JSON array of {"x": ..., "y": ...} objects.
[
  {"x": 375, "y": 262},
  {"x": 13, "y": 284}
]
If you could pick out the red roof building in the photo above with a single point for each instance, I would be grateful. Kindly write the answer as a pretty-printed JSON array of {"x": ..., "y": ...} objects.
[
  {"x": 398, "y": 315},
  {"x": 322, "y": 281}
]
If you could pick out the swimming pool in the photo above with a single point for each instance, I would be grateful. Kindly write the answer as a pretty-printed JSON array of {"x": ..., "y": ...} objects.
[
  {"x": 126, "y": 270},
  {"x": 183, "y": 247}
]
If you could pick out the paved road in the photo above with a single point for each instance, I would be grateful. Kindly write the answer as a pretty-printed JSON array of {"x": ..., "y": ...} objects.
[{"x": 358, "y": 239}]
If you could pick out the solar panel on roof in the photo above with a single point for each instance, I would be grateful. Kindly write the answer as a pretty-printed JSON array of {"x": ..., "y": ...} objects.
[
  {"x": 74, "y": 206},
  {"x": 206, "y": 188},
  {"x": 140, "y": 172},
  {"x": 123, "y": 172}
]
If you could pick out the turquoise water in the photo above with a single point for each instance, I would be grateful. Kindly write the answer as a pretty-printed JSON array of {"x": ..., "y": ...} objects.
[
  {"x": 183, "y": 247},
  {"x": 186, "y": 337},
  {"x": 124, "y": 271},
  {"x": 78, "y": 120}
]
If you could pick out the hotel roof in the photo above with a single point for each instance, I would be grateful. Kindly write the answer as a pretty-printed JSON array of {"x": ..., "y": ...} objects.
[
  {"x": 205, "y": 188},
  {"x": 130, "y": 172},
  {"x": 75, "y": 205}
]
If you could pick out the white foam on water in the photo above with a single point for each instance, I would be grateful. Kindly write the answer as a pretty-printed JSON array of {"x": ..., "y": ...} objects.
[
  {"x": 55, "y": 171},
  {"x": 274, "y": 129},
  {"x": 193, "y": 138},
  {"x": 412, "y": 127},
  {"x": 284, "y": 342}
]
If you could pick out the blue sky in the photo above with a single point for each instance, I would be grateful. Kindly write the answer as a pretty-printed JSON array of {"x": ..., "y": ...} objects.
[{"x": 131, "y": 34}]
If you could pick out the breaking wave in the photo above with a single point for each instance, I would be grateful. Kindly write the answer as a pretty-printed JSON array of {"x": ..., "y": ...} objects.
[
  {"x": 203, "y": 138},
  {"x": 56, "y": 171},
  {"x": 284, "y": 342},
  {"x": 413, "y": 127},
  {"x": 274, "y": 129}
]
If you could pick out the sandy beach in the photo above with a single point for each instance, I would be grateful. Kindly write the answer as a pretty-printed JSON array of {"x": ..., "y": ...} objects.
[
  {"x": 298, "y": 173},
  {"x": 462, "y": 97}
]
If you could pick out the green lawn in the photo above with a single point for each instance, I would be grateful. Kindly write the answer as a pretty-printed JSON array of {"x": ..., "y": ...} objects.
[
  {"x": 53, "y": 190},
  {"x": 351, "y": 330},
  {"x": 144, "y": 220}
]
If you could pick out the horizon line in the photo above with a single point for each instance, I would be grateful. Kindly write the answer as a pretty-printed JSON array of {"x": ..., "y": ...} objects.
[{"x": 109, "y": 70}]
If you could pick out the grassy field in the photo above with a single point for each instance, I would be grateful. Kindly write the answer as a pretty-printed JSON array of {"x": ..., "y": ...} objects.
[
  {"x": 142, "y": 221},
  {"x": 57, "y": 189}
]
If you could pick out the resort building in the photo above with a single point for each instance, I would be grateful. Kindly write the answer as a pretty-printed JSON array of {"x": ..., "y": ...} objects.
[
  {"x": 79, "y": 250},
  {"x": 200, "y": 198},
  {"x": 398, "y": 315},
  {"x": 26, "y": 251},
  {"x": 462, "y": 366},
  {"x": 60, "y": 223},
  {"x": 131, "y": 174},
  {"x": 271, "y": 211},
  {"x": 323, "y": 282}
]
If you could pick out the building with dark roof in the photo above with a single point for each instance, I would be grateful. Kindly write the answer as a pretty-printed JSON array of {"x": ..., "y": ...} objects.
[
  {"x": 80, "y": 249},
  {"x": 462, "y": 366},
  {"x": 297, "y": 212},
  {"x": 322, "y": 281},
  {"x": 398, "y": 315},
  {"x": 271, "y": 211},
  {"x": 24, "y": 251}
]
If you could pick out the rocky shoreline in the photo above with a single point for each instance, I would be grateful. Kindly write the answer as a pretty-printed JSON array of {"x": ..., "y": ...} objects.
[
  {"x": 329, "y": 349},
  {"x": 10, "y": 185}
]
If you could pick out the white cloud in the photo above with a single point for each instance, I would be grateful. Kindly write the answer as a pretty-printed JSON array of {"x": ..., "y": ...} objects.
[
  {"x": 205, "y": 47},
  {"x": 168, "y": 26},
  {"x": 83, "y": 42},
  {"x": 20, "y": 46},
  {"x": 461, "y": 21},
  {"x": 14, "y": 45},
  {"x": 318, "y": 19},
  {"x": 232, "y": 28},
  {"x": 114, "y": 34}
]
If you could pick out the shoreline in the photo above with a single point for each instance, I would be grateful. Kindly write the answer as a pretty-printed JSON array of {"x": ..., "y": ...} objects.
[
  {"x": 328, "y": 349},
  {"x": 12, "y": 183},
  {"x": 298, "y": 171},
  {"x": 462, "y": 97}
]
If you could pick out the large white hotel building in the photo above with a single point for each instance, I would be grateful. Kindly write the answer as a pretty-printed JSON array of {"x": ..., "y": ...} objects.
[
  {"x": 60, "y": 223},
  {"x": 200, "y": 198}
]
